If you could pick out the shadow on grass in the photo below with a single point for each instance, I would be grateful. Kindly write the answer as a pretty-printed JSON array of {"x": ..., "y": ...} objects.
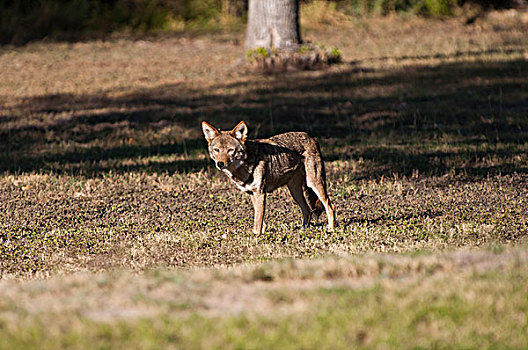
[{"x": 468, "y": 117}]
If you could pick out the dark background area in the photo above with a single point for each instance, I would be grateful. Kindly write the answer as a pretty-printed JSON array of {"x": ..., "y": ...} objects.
[
  {"x": 26, "y": 20},
  {"x": 475, "y": 109}
]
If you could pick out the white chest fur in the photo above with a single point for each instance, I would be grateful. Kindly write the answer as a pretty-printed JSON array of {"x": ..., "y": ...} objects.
[{"x": 244, "y": 186}]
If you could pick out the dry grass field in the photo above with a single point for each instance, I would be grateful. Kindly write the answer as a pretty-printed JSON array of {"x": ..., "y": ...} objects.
[{"x": 116, "y": 230}]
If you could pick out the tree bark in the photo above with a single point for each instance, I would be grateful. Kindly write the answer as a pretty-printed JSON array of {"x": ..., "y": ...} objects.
[{"x": 273, "y": 24}]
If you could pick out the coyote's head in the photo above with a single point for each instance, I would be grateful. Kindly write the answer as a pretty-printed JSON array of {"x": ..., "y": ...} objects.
[{"x": 226, "y": 148}]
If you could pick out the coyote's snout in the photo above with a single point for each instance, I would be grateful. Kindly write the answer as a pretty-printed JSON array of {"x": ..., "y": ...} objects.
[{"x": 258, "y": 167}]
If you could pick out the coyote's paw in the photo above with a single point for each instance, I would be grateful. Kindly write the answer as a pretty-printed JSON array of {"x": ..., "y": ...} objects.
[{"x": 256, "y": 232}]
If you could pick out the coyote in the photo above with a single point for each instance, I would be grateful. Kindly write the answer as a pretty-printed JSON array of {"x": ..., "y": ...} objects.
[{"x": 258, "y": 167}]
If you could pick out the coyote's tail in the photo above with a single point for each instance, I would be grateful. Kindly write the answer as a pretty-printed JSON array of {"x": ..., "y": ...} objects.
[{"x": 316, "y": 207}]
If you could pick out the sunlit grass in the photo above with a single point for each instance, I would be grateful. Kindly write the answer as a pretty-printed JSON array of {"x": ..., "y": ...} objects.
[{"x": 463, "y": 299}]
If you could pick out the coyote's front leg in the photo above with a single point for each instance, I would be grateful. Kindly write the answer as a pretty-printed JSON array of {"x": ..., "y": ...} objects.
[{"x": 259, "y": 204}]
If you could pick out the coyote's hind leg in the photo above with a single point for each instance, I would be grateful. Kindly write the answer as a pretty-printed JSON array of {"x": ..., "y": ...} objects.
[{"x": 295, "y": 186}]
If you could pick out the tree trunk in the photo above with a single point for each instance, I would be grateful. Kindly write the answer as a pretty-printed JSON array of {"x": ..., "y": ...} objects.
[{"x": 273, "y": 24}]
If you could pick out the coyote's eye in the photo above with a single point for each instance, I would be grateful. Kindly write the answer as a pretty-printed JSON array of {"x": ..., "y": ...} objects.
[
  {"x": 231, "y": 151},
  {"x": 216, "y": 150}
]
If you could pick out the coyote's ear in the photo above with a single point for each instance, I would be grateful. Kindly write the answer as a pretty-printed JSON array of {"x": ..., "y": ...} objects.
[
  {"x": 240, "y": 131},
  {"x": 210, "y": 132}
]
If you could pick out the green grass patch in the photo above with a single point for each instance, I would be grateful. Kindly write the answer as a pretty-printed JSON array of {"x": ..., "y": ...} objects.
[{"x": 455, "y": 306}]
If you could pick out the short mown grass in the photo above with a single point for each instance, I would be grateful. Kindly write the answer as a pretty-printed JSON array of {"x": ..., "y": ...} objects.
[{"x": 464, "y": 299}]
